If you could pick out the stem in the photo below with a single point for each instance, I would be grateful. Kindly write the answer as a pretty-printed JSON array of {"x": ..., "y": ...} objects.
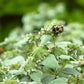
[
  {"x": 61, "y": 68},
  {"x": 36, "y": 44},
  {"x": 82, "y": 76},
  {"x": 30, "y": 79},
  {"x": 43, "y": 71},
  {"x": 50, "y": 71},
  {"x": 54, "y": 45},
  {"x": 54, "y": 41},
  {"x": 55, "y": 71}
]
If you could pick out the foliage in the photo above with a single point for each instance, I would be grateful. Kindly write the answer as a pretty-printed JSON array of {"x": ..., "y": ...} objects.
[
  {"x": 50, "y": 56},
  {"x": 15, "y": 9}
]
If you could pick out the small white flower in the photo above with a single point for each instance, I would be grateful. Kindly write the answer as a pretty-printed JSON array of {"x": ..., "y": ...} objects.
[
  {"x": 6, "y": 39},
  {"x": 36, "y": 65},
  {"x": 69, "y": 76},
  {"x": 67, "y": 50},
  {"x": 27, "y": 35},
  {"x": 27, "y": 38},
  {"x": 6, "y": 78},
  {"x": 42, "y": 29},
  {"x": 3, "y": 79},
  {"x": 37, "y": 37},
  {"x": 23, "y": 65},
  {"x": 34, "y": 42},
  {"x": 47, "y": 29},
  {"x": 28, "y": 72},
  {"x": 49, "y": 50},
  {"x": 13, "y": 75},
  {"x": 39, "y": 33},
  {"x": 0, "y": 60},
  {"x": 29, "y": 41},
  {"x": 30, "y": 34},
  {"x": 80, "y": 58},
  {"x": 76, "y": 53},
  {"x": 79, "y": 68},
  {"x": 52, "y": 23},
  {"x": 18, "y": 80},
  {"x": 38, "y": 61},
  {"x": 30, "y": 58},
  {"x": 33, "y": 69},
  {"x": 23, "y": 36}
]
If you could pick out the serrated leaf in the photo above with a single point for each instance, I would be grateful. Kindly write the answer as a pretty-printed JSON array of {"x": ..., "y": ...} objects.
[
  {"x": 20, "y": 43},
  {"x": 51, "y": 62},
  {"x": 47, "y": 78},
  {"x": 36, "y": 76},
  {"x": 18, "y": 59},
  {"x": 17, "y": 72},
  {"x": 69, "y": 71},
  {"x": 59, "y": 81},
  {"x": 62, "y": 44}
]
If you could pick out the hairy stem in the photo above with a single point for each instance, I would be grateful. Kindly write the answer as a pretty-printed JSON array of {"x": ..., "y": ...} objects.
[
  {"x": 61, "y": 68},
  {"x": 43, "y": 71},
  {"x": 82, "y": 76},
  {"x": 55, "y": 71},
  {"x": 54, "y": 41},
  {"x": 50, "y": 71}
]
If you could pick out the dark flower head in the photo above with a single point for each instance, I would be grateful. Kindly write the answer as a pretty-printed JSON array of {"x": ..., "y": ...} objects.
[{"x": 57, "y": 29}]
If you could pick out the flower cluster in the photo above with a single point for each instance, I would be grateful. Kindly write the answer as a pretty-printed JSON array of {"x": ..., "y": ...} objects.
[{"x": 53, "y": 29}]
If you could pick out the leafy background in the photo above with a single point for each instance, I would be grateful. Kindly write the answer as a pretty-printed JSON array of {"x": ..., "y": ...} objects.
[
  {"x": 12, "y": 11},
  {"x": 40, "y": 57}
]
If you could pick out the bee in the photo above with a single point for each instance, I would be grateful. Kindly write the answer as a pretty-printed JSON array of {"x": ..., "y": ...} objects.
[{"x": 57, "y": 29}]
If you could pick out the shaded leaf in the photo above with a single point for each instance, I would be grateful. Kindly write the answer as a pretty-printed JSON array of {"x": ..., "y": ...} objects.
[{"x": 51, "y": 62}]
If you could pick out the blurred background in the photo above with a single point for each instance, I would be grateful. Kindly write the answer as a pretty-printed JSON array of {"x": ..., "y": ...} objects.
[{"x": 20, "y": 13}]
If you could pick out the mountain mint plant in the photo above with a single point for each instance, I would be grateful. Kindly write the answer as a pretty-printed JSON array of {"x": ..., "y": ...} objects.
[
  {"x": 53, "y": 55},
  {"x": 40, "y": 58}
]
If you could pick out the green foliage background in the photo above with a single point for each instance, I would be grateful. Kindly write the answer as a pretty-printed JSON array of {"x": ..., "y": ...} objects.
[
  {"x": 44, "y": 56},
  {"x": 11, "y": 12}
]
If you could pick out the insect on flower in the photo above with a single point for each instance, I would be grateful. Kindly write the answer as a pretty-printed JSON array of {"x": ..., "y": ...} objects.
[{"x": 57, "y": 29}]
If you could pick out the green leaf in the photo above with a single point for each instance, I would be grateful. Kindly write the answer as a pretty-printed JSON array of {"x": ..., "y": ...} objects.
[
  {"x": 47, "y": 78},
  {"x": 69, "y": 66},
  {"x": 77, "y": 41},
  {"x": 81, "y": 81},
  {"x": 59, "y": 81},
  {"x": 69, "y": 71},
  {"x": 18, "y": 59},
  {"x": 36, "y": 76},
  {"x": 65, "y": 57},
  {"x": 3, "y": 43},
  {"x": 62, "y": 44},
  {"x": 20, "y": 43},
  {"x": 51, "y": 62},
  {"x": 17, "y": 72},
  {"x": 45, "y": 39}
]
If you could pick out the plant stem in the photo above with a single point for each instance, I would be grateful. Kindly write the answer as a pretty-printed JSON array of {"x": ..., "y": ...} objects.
[
  {"x": 43, "y": 71},
  {"x": 82, "y": 76},
  {"x": 30, "y": 79},
  {"x": 55, "y": 71},
  {"x": 54, "y": 41},
  {"x": 61, "y": 68},
  {"x": 50, "y": 71}
]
